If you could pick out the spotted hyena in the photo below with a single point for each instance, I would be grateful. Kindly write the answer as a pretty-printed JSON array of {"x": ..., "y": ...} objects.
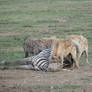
[
  {"x": 61, "y": 49},
  {"x": 81, "y": 43},
  {"x": 34, "y": 46}
]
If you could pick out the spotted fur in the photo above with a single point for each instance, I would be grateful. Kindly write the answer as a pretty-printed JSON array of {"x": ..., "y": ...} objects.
[{"x": 81, "y": 43}]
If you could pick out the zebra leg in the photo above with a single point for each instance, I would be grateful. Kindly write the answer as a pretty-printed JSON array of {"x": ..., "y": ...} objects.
[
  {"x": 23, "y": 67},
  {"x": 18, "y": 62}
]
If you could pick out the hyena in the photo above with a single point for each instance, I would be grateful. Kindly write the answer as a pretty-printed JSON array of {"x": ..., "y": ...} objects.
[
  {"x": 61, "y": 49},
  {"x": 81, "y": 43},
  {"x": 34, "y": 46}
]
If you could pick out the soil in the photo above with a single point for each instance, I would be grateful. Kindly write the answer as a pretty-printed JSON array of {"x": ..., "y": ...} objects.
[{"x": 22, "y": 80}]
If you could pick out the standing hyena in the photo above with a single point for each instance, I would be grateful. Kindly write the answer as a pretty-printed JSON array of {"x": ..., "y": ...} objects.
[
  {"x": 81, "y": 43},
  {"x": 34, "y": 46}
]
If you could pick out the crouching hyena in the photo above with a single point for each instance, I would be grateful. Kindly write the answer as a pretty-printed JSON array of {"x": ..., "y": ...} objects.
[
  {"x": 81, "y": 43},
  {"x": 34, "y": 46},
  {"x": 61, "y": 49}
]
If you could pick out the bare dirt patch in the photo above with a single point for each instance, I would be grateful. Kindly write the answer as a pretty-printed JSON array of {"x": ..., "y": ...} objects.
[{"x": 23, "y": 80}]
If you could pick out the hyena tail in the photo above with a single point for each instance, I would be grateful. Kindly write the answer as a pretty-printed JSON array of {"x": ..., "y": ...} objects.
[{"x": 77, "y": 45}]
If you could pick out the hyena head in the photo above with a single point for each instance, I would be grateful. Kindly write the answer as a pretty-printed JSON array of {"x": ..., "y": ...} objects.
[{"x": 54, "y": 57}]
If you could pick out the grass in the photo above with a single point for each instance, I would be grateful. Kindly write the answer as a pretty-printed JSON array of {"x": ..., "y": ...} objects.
[{"x": 41, "y": 18}]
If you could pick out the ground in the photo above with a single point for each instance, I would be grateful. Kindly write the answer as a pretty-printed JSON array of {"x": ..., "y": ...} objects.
[{"x": 76, "y": 80}]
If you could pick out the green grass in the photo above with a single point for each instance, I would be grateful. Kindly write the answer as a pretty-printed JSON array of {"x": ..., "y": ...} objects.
[{"x": 41, "y": 18}]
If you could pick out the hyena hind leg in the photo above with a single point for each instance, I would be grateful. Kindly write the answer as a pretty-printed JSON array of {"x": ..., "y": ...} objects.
[
  {"x": 86, "y": 56},
  {"x": 76, "y": 61}
]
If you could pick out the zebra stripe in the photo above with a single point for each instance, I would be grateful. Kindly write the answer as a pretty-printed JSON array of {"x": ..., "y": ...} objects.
[
  {"x": 40, "y": 61},
  {"x": 37, "y": 62}
]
